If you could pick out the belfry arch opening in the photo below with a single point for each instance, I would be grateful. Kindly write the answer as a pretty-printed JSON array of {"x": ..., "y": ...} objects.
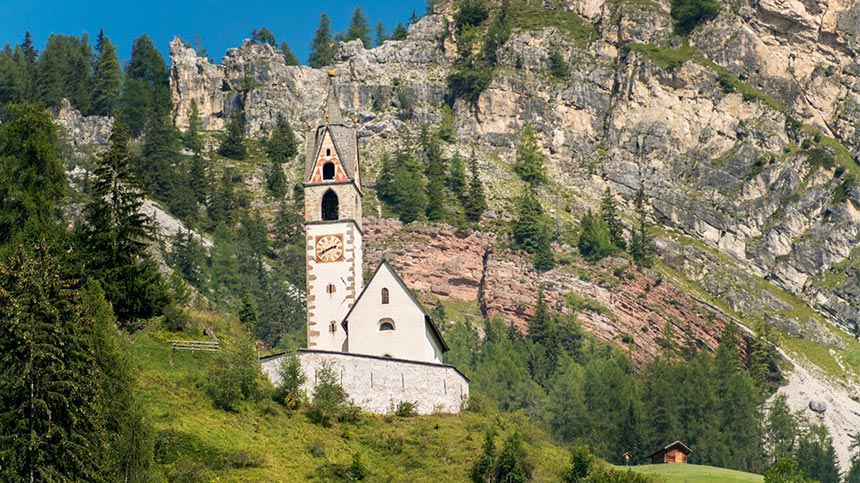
[
  {"x": 329, "y": 206},
  {"x": 328, "y": 171}
]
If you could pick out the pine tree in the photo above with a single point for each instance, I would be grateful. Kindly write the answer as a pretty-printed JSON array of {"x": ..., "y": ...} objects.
[
  {"x": 233, "y": 146},
  {"x": 558, "y": 67},
  {"x": 281, "y": 146},
  {"x": 263, "y": 36},
  {"x": 457, "y": 177},
  {"x": 29, "y": 56},
  {"x": 146, "y": 87},
  {"x": 248, "y": 313},
  {"x": 192, "y": 138},
  {"x": 609, "y": 214},
  {"x": 381, "y": 36},
  {"x": 447, "y": 130},
  {"x": 358, "y": 28},
  {"x": 52, "y": 424},
  {"x": 323, "y": 48},
  {"x": 32, "y": 178},
  {"x": 594, "y": 240},
  {"x": 401, "y": 186},
  {"x": 497, "y": 34},
  {"x": 65, "y": 71},
  {"x": 116, "y": 234},
  {"x": 159, "y": 155},
  {"x": 107, "y": 78},
  {"x": 399, "y": 32},
  {"x": 435, "y": 173},
  {"x": 188, "y": 256},
  {"x": 289, "y": 56},
  {"x": 531, "y": 231},
  {"x": 641, "y": 242},
  {"x": 475, "y": 202},
  {"x": 529, "y": 163}
]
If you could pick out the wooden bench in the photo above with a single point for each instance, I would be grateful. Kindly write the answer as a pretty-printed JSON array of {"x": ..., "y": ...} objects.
[{"x": 195, "y": 345}]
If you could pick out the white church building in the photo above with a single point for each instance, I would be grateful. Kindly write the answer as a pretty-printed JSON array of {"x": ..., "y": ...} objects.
[{"x": 376, "y": 335}]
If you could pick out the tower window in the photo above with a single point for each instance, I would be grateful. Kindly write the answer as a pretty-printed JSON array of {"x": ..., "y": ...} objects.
[
  {"x": 332, "y": 326},
  {"x": 328, "y": 170},
  {"x": 329, "y": 206},
  {"x": 385, "y": 296},
  {"x": 386, "y": 325},
  {"x": 330, "y": 288},
  {"x": 328, "y": 152}
]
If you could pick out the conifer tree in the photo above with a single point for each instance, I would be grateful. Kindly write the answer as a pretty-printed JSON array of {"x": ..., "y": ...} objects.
[
  {"x": 289, "y": 56},
  {"x": 609, "y": 214},
  {"x": 29, "y": 56},
  {"x": 65, "y": 71},
  {"x": 497, "y": 34},
  {"x": 192, "y": 138},
  {"x": 116, "y": 234},
  {"x": 401, "y": 185},
  {"x": 641, "y": 242},
  {"x": 529, "y": 163},
  {"x": 435, "y": 173},
  {"x": 457, "y": 177},
  {"x": 358, "y": 28},
  {"x": 233, "y": 146},
  {"x": 281, "y": 146},
  {"x": 52, "y": 424},
  {"x": 475, "y": 201},
  {"x": 399, "y": 32},
  {"x": 447, "y": 130},
  {"x": 323, "y": 48},
  {"x": 594, "y": 240},
  {"x": 263, "y": 36},
  {"x": 32, "y": 178},
  {"x": 531, "y": 231},
  {"x": 381, "y": 36},
  {"x": 145, "y": 90},
  {"x": 159, "y": 155},
  {"x": 107, "y": 77}
]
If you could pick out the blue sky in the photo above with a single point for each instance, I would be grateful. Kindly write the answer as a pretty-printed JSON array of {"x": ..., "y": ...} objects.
[{"x": 220, "y": 24}]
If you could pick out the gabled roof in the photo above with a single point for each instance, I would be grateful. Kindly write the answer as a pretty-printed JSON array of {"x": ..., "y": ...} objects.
[
  {"x": 677, "y": 444},
  {"x": 427, "y": 319}
]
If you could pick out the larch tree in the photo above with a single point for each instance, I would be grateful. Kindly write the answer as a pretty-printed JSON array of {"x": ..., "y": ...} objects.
[
  {"x": 106, "y": 78},
  {"x": 322, "y": 44},
  {"x": 609, "y": 213}
]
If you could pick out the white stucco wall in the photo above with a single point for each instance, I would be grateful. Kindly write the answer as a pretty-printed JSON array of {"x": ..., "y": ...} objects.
[
  {"x": 411, "y": 338},
  {"x": 345, "y": 275},
  {"x": 378, "y": 385}
]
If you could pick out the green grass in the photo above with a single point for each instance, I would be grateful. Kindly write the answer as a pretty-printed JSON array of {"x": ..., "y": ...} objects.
[
  {"x": 687, "y": 473},
  {"x": 665, "y": 57},
  {"x": 263, "y": 442},
  {"x": 530, "y": 15}
]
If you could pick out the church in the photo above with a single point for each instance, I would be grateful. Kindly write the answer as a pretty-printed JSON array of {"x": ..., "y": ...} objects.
[{"x": 375, "y": 334}]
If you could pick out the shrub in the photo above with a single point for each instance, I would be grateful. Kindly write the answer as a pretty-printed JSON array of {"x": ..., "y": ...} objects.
[
  {"x": 557, "y": 65},
  {"x": 688, "y": 14},
  {"x": 289, "y": 391},
  {"x": 175, "y": 318},
  {"x": 472, "y": 12},
  {"x": 233, "y": 377},
  {"x": 330, "y": 402},
  {"x": 406, "y": 409}
]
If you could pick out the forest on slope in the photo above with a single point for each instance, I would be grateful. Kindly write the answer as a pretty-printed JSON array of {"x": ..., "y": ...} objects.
[{"x": 81, "y": 261}]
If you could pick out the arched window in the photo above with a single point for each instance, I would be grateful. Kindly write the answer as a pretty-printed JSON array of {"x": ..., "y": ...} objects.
[
  {"x": 329, "y": 206},
  {"x": 386, "y": 325},
  {"x": 328, "y": 152},
  {"x": 385, "y": 296},
  {"x": 332, "y": 326},
  {"x": 328, "y": 170}
]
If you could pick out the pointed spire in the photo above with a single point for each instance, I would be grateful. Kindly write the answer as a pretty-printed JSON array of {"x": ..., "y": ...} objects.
[{"x": 332, "y": 110}]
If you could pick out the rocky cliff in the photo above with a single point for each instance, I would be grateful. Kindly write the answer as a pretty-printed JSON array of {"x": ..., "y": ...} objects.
[{"x": 744, "y": 134}]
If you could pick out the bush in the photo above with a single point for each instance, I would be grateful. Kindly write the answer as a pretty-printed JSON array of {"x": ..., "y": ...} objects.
[
  {"x": 234, "y": 376},
  {"x": 594, "y": 242},
  {"x": 175, "y": 319},
  {"x": 557, "y": 65},
  {"x": 330, "y": 402},
  {"x": 289, "y": 391},
  {"x": 688, "y": 14},
  {"x": 406, "y": 409}
]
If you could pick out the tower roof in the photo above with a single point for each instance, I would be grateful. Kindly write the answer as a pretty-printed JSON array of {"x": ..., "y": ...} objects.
[
  {"x": 343, "y": 137},
  {"x": 332, "y": 114}
]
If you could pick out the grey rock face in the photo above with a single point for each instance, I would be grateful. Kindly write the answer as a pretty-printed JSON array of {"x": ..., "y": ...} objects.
[
  {"x": 83, "y": 131},
  {"x": 725, "y": 136}
]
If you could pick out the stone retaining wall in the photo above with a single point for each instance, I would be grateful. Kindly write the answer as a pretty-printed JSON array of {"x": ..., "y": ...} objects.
[{"x": 378, "y": 384}]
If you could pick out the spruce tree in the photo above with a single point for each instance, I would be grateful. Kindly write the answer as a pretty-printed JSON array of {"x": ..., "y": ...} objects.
[
  {"x": 233, "y": 146},
  {"x": 146, "y": 87},
  {"x": 435, "y": 173},
  {"x": 192, "y": 138},
  {"x": 29, "y": 56},
  {"x": 529, "y": 162},
  {"x": 263, "y": 36},
  {"x": 289, "y": 56},
  {"x": 107, "y": 77},
  {"x": 32, "y": 178},
  {"x": 531, "y": 231},
  {"x": 594, "y": 240},
  {"x": 115, "y": 236},
  {"x": 323, "y": 48},
  {"x": 159, "y": 155},
  {"x": 52, "y": 425},
  {"x": 399, "y": 32},
  {"x": 457, "y": 177},
  {"x": 281, "y": 146},
  {"x": 381, "y": 36},
  {"x": 65, "y": 71},
  {"x": 641, "y": 242},
  {"x": 609, "y": 214},
  {"x": 475, "y": 203},
  {"x": 358, "y": 28}
]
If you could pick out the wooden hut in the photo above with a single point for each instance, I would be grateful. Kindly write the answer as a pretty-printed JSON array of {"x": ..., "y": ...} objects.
[{"x": 676, "y": 452}]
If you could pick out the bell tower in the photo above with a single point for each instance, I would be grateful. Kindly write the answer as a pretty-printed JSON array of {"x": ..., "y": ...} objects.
[{"x": 332, "y": 226}]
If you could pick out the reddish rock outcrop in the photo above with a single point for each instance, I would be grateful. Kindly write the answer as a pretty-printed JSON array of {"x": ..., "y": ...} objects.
[{"x": 615, "y": 301}]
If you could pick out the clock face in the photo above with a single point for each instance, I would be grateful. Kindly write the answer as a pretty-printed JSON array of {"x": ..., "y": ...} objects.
[{"x": 329, "y": 248}]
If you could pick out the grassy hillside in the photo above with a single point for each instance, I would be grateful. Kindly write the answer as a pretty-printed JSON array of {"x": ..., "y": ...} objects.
[
  {"x": 195, "y": 442},
  {"x": 686, "y": 473}
]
